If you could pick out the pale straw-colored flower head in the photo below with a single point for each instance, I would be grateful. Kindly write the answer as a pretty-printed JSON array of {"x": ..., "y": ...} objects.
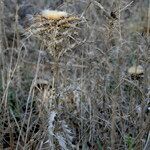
[
  {"x": 136, "y": 72},
  {"x": 55, "y": 29}
]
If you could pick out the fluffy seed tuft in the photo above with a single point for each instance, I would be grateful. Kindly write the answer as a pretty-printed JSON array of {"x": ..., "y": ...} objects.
[{"x": 53, "y": 14}]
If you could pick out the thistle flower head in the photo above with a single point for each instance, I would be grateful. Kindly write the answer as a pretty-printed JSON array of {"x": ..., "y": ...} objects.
[
  {"x": 136, "y": 70},
  {"x": 56, "y": 29}
]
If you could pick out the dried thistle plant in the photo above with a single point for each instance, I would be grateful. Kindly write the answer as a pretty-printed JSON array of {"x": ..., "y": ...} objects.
[{"x": 56, "y": 30}]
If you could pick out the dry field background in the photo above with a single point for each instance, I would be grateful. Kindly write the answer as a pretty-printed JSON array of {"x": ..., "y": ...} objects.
[{"x": 79, "y": 95}]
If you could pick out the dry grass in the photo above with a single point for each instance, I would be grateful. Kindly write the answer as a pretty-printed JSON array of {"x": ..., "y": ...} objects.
[{"x": 71, "y": 80}]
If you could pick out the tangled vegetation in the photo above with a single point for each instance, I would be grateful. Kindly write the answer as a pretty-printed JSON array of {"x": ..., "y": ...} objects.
[{"x": 75, "y": 75}]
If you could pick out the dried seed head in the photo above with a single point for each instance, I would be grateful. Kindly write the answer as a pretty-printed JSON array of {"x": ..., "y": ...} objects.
[
  {"x": 53, "y": 14},
  {"x": 136, "y": 72},
  {"x": 56, "y": 29}
]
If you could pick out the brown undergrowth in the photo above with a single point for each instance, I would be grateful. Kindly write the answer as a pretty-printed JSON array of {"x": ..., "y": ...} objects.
[{"x": 77, "y": 78}]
